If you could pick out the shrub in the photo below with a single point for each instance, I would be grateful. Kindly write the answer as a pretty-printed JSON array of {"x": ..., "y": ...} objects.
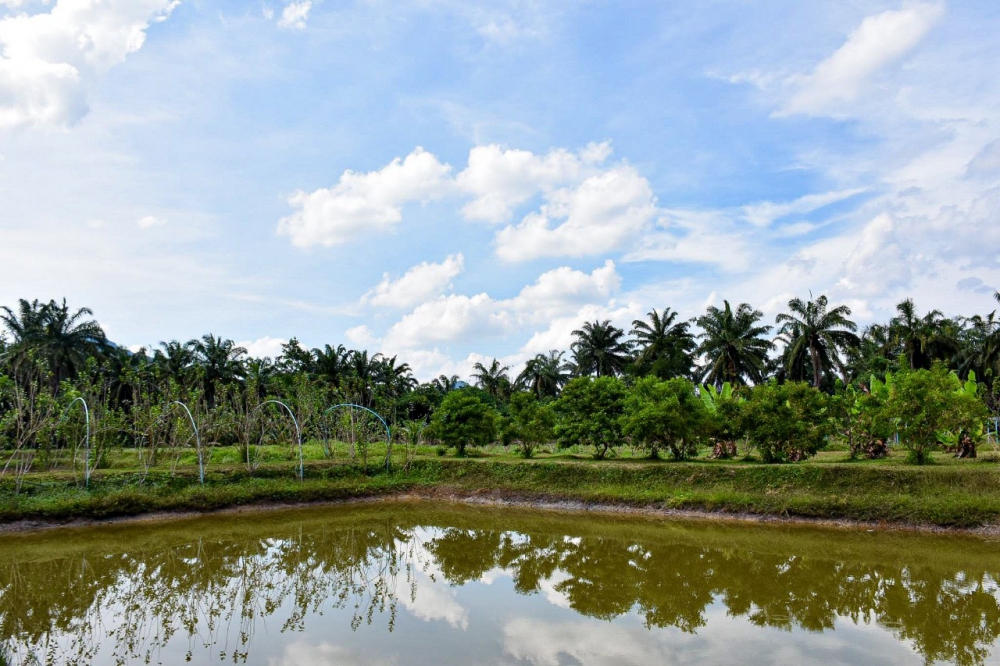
[
  {"x": 589, "y": 413},
  {"x": 462, "y": 420},
  {"x": 530, "y": 424},
  {"x": 928, "y": 407},
  {"x": 664, "y": 414},
  {"x": 784, "y": 422}
]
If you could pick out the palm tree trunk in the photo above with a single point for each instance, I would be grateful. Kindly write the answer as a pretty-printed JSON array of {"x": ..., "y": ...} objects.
[{"x": 814, "y": 354}]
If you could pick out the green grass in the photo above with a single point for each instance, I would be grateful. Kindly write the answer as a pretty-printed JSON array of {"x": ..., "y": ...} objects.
[{"x": 949, "y": 492}]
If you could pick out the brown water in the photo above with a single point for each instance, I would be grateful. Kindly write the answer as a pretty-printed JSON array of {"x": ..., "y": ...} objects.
[{"x": 403, "y": 583}]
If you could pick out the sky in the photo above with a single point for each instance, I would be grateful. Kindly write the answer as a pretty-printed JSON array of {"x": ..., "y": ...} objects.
[{"x": 451, "y": 182}]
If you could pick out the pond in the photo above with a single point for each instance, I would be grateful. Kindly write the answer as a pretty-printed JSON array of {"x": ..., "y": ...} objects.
[{"x": 420, "y": 583}]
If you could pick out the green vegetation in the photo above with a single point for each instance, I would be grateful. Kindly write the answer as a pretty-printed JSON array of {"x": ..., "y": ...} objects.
[{"x": 88, "y": 428}]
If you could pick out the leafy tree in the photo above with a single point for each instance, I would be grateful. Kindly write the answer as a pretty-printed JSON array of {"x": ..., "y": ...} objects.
[
  {"x": 600, "y": 349},
  {"x": 785, "y": 422},
  {"x": 734, "y": 345},
  {"x": 545, "y": 374},
  {"x": 531, "y": 423},
  {"x": 722, "y": 418},
  {"x": 664, "y": 415},
  {"x": 665, "y": 345},
  {"x": 928, "y": 407},
  {"x": 462, "y": 420},
  {"x": 814, "y": 336},
  {"x": 589, "y": 412}
]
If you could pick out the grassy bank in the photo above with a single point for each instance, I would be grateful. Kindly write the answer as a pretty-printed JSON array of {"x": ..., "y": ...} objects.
[{"x": 945, "y": 495}]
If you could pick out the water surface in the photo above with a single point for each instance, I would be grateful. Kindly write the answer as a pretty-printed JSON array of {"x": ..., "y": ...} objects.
[{"x": 416, "y": 583}]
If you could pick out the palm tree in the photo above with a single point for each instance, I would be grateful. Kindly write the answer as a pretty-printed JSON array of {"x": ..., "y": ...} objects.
[
  {"x": 600, "y": 349},
  {"x": 364, "y": 376},
  {"x": 395, "y": 379},
  {"x": 494, "y": 379},
  {"x": 331, "y": 364},
  {"x": 545, "y": 374},
  {"x": 175, "y": 359},
  {"x": 926, "y": 339},
  {"x": 664, "y": 346},
  {"x": 220, "y": 361},
  {"x": 814, "y": 331},
  {"x": 62, "y": 338},
  {"x": 445, "y": 384},
  {"x": 734, "y": 345}
]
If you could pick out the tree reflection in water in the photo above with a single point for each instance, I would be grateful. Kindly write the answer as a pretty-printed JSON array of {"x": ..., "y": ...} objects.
[{"x": 132, "y": 590}]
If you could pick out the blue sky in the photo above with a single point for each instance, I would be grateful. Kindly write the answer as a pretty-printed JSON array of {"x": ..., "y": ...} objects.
[{"x": 453, "y": 182}]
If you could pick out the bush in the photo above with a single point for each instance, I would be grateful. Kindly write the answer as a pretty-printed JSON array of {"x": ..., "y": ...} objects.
[
  {"x": 785, "y": 422},
  {"x": 929, "y": 407},
  {"x": 462, "y": 420},
  {"x": 664, "y": 414},
  {"x": 530, "y": 424},
  {"x": 589, "y": 413}
]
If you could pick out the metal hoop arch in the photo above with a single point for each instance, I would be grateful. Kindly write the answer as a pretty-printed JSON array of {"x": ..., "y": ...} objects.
[
  {"x": 86, "y": 437},
  {"x": 197, "y": 439},
  {"x": 298, "y": 431},
  {"x": 388, "y": 433}
]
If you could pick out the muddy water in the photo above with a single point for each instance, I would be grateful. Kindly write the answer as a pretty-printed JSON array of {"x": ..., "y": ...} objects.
[{"x": 415, "y": 583}]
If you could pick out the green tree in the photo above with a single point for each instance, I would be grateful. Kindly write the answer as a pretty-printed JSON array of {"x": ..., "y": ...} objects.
[
  {"x": 530, "y": 423},
  {"x": 664, "y": 415},
  {"x": 545, "y": 374},
  {"x": 928, "y": 407},
  {"x": 785, "y": 422},
  {"x": 493, "y": 379},
  {"x": 63, "y": 339},
  {"x": 734, "y": 344},
  {"x": 665, "y": 346},
  {"x": 462, "y": 420},
  {"x": 220, "y": 362},
  {"x": 589, "y": 413},
  {"x": 814, "y": 335},
  {"x": 600, "y": 349}
]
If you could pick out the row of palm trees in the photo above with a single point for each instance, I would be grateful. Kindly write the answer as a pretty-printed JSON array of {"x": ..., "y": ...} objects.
[{"x": 812, "y": 341}]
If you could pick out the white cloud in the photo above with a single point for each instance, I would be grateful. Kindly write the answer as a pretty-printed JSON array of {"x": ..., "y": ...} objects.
[
  {"x": 601, "y": 215},
  {"x": 766, "y": 212},
  {"x": 418, "y": 284},
  {"x": 295, "y": 14},
  {"x": 695, "y": 236},
  {"x": 363, "y": 203},
  {"x": 502, "y": 178},
  {"x": 986, "y": 162},
  {"x": 435, "y": 601},
  {"x": 879, "y": 41},
  {"x": 265, "y": 347},
  {"x": 361, "y": 335},
  {"x": 559, "y": 333},
  {"x": 149, "y": 221},
  {"x": 556, "y": 293},
  {"x": 49, "y": 58},
  {"x": 321, "y": 654}
]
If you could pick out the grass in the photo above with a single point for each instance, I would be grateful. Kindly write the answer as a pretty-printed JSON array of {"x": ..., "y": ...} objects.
[{"x": 948, "y": 492}]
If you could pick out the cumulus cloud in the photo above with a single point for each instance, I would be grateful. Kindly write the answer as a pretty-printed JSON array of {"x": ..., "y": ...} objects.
[
  {"x": 265, "y": 347},
  {"x": 601, "y": 215},
  {"x": 455, "y": 317},
  {"x": 49, "y": 58},
  {"x": 879, "y": 41},
  {"x": 295, "y": 15},
  {"x": 421, "y": 282},
  {"x": 364, "y": 202},
  {"x": 501, "y": 178},
  {"x": 361, "y": 335}
]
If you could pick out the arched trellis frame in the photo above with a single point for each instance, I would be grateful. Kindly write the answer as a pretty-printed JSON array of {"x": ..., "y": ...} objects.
[
  {"x": 388, "y": 433},
  {"x": 298, "y": 431},
  {"x": 197, "y": 439},
  {"x": 86, "y": 437}
]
